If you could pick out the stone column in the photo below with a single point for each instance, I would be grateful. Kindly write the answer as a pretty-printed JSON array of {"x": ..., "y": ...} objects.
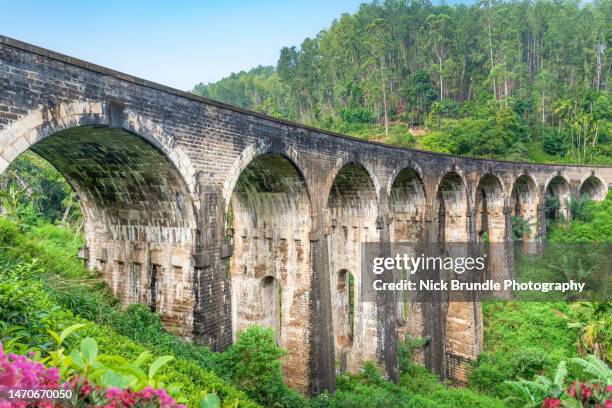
[
  {"x": 386, "y": 304},
  {"x": 433, "y": 313},
  {"x": 322, "y": 356},
  {"x": 212, "y": 324}
]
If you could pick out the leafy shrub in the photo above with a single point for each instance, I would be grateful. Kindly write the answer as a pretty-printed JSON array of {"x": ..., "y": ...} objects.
[
  {"x": 555, "y": 143},
  {"x": 593, "y": 322},
  {"x": 597, "y": 229},
  {"x": 581, "y": 208},
  {"x": 520, "y": 228},
  {"x": 254, "y": 363},
  {"x": 509, "y": 328},
  {"x": 407, "y": 348},
  {"x": 551, "y": 393},
  {"x": 27, "y": 311},
  {"x": 357, "y": 115},
  {"x": 528, "y": 362}
]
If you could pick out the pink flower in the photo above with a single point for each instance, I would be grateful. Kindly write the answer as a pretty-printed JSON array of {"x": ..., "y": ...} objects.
[
  {"x": 585, "y": 391},
  {"x": 551, "y": 403}
]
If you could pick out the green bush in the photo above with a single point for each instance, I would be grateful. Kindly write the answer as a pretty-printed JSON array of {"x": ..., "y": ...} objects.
[
  {"x": 357, "y": 115},
  {"x": 597, "y": 229},
  {"x": 254, "y": 363},
  {"x": 528, "y": 362}
]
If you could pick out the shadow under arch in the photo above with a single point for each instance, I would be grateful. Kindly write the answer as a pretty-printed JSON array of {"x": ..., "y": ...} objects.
[
  {"x": 593, "y": 188},
  {"x": 451, "y": 206},
  {"x": 43, "y": 122},
  {"x": 489, "y": 200},
  {"x": 353, "y": 192},
  {"x": 407, "y": 205},
  {"x": 557, "y": 195},
  {"x": 268, "y": 221},
  {"x": 524, "y": 202},
  {"x": 352, "y": 204},
  {"x": 251, "y": 153},
  {"x": 140, "y": 224}
]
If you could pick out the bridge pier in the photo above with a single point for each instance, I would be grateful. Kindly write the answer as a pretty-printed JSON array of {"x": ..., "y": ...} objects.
[
  {"x": 212, "y": 319},
  {"x": 322, "y": 359}
]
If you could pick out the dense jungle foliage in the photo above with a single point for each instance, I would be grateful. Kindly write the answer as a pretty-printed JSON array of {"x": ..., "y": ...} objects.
[{"x": 522, "y": 80}]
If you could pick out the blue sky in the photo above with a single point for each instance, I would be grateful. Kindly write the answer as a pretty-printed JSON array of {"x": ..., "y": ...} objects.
[{"x": 176, "y": 43}]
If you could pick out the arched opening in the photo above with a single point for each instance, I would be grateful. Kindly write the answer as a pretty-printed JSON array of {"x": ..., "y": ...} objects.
[
  {"x": 139, "y": 222},
  {"x": 524, "y": 202},
  {"x": 270, "y": 297},
  {"x": 557, "y": 199},
  {"x": 451, "y": 209},
  {"x": 407, "y": 206},
  {"x": 270, "y": 269},
  {"x": 489, "y": 203},
  {"x": 491, "y": 230},
  {"x": 343, "y": 314},
  {"x": 352, "y": 205},
  {"x": 593, "y": 188},
  {"x": 452, "y": 326},
  {"x": 352, "y": 194}
]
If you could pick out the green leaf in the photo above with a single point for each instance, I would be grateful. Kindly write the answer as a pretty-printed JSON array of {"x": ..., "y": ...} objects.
[
  {"x": 55, "y": 336},
  {"x": 89, "y": 349},
  {"x": 113, "y": 360},
  {"x": 560, "y": 375},
  {"x": 157, "y": 364},
  {"x": 144, "y": 356},
  {"x": 113, "y": 379},
  {"x": 210, "y": 401},
  {"x": 69, "y": 330},
  {"x": 77, "y": 359},
  {"x": 135, "y": 371}
]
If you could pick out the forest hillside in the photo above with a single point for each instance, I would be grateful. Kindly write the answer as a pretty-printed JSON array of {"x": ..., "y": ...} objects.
[{"x": 515, "y": 80}]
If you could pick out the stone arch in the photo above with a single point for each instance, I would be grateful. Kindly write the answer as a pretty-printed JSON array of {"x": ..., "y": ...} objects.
[
  {"x": 249, "y": 154},
  {"x": 491, "y": 219},
  {"x": 557, "y": 196},
  {"x": 405, "y": 165},
  {"x": 40, "y": 123},
  {"x": 340, "y": 166},
  {"x": 489, "y": 200},
  {"x": 455, "y": 328},
  {"x": 407, "y": 209},
  {"x": 451, "y": 208},
  {"x": 524, "y": 201},
  {"x": 593, "y": 188},
  {"x": 407, "y": 205},
  {"x": 140, "y": 222},
  {"x": 352, "y": 204},
  {"x": 353, "y": 193},
  {"x": 269, "y": 221},
  {"x": 343, "y": 313}
]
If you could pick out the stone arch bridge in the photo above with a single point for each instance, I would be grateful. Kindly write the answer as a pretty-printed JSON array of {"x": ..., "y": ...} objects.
[{"x": 218, "y": 217}]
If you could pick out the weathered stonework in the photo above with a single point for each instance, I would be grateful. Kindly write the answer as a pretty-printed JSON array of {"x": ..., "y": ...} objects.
[{"x": 218, "y": 218}]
